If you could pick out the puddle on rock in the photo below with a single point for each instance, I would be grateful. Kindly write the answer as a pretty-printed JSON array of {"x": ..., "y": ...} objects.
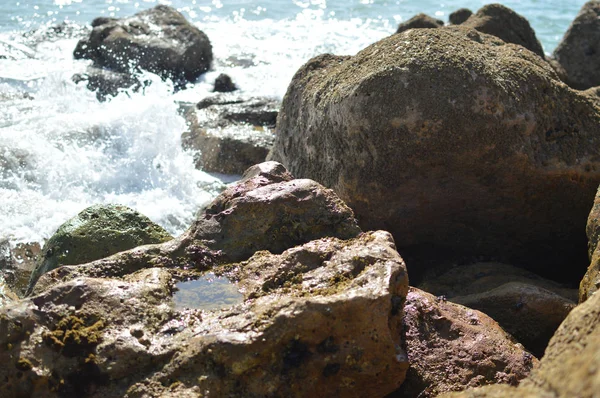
[{"x": 208, "y": 293}]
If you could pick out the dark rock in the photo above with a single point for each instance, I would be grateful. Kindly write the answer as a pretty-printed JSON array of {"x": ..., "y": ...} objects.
[
  {"x": 230, "y": 133},
  {"x": 502, "y": 22},
  {"x": 224, "y": 84},
  {"x": 107, "y": 83},
  {"x": 420, "y": 21},
  {"x": 459, "y": 16},
  {"x": 321, "y": 319},
  {"x": 451, "y": 348},
  {"x": 159, "y": 40},
  {"x": 453, "y": 139},
  {"x": 97, "y": 232},
  {"x": 578, "y": 54}
]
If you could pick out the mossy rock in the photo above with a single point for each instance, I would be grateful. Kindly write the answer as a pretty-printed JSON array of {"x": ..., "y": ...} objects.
[{"x": 97, "y": 232}]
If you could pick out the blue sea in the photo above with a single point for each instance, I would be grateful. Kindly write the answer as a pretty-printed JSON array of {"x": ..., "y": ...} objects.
[{"x": 61, "y": 150}]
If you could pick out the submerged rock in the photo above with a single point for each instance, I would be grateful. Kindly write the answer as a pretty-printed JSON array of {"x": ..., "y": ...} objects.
[
  {"x": 321, "y": 319},
  {"x": 159, "y": 40},
  {"x": 459, "y": 16},
  {"x": 453, "y": 140},
  {"x": 578, "y": 54},
  {"x": 420, "y": 21},
  {"x": 451, "y": 348},
  {"x": 97, "y": 232},
  {"x": 502, "y": 22},
  {"x": 107, "y": 83},
  {"x": 230, "y": 133}
]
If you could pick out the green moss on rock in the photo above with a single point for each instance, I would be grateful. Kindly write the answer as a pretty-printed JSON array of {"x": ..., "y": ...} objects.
[{"x": 97, "y": 232}]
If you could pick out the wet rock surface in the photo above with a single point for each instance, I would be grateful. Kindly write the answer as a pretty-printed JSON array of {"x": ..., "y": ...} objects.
[
  {"x": 497, "y": 143},
  {"x": 230, "y": 133},
  {"x": 420, "y": 21},
  {"x": 224, "y": 84},
  {"x": 578, "y": 54},
  {"x": 107, "y": 83},
  {"x": 451, "y": 348},
  {"x": 17, "y": 264},
  {"x": 321, "y": 319},
  {"x": 97, "y": 232},
  {"x": 502, "y": 22},
  {"x": 159, "y": 40}
]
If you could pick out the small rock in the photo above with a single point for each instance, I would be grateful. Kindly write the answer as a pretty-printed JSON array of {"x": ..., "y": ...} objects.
[
  {"x": 420, "y": 21},
  {"x": 224, "y": 84},
  {"x": 459, "y": 16},
  {"x": 95, "y": 233},
  {"x": 452, "y": 348},
  {"x": 230, "y": 133},
  {"x": 578, "y": 54},
  {"x": 502, "y": 22},
  {"x": 107, "y": 83}
]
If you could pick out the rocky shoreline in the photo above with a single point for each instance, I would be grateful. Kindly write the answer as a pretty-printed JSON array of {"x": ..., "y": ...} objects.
[{"x": 459, "y": 156}]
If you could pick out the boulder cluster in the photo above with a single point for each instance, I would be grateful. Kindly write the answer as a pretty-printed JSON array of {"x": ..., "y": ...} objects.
[{"x": 460, "y": 155}]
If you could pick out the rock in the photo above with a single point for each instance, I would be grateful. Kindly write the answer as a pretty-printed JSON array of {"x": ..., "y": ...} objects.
[
  {"x": 451, "y": 348},
  {"x": 420, "y": 21},
  {"x": 224, "y": 84},
  {"x": 500, "y": 391},
  {"x": 594, "y": 94},
  {"x": 61, "y": 31},
  {"x": 591, "y": 281},
  {"x": 531, "y": 314},
  {"x": 495, "y": 158},
  {"x": 266, "y": 210},
  {"x": 7, "y": 296},
  {"x": 95, "y": 233},
  {"x": 579, "y": 51},
  {"x": 230, "y": 133},
  {"x": 502, "y": 22},
  {"x": 465, "y": 280},
  {"x": 321, "y": 319},
  {"x": 107, "y": 83},
  {"x": 459, "y": 16},
  {"x": 159, "y": 40},
  {"x": 17, "y": 264}
]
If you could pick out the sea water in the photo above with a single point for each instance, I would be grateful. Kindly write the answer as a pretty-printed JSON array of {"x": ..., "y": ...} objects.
[{"x": 61, "y": 150}]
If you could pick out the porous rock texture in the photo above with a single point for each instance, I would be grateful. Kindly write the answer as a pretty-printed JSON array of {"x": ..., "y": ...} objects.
[
  {"x": 266, "y": 210},
  {"x": 578, "y": 53},
  {"x": 591, "y": 280},
  {"x": 450, "y": 139},
  {"x": 420, "y": 21},
  {"x": 451, "y": 348},
  {"x": 230, "y": 133},
  {"x": 502, "y": 22},
  {"x": 322, "y": 319},
  {"x": 97, "y": 232},
  {"x": 570, "y": 366},
  {"x": 159, "y": 40}
]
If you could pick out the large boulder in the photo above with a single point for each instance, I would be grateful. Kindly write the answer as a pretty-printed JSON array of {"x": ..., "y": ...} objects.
[
  {"x": 420, "y": 21},
  {"x": 230, "y": 134},
  {"x": 451, "y": 348},
  {"x": 502, "y": 22},
  {"x": 97, "y": 232},
  {"x": 450, "y": 139},
  {"x": 159, "y": 40},
  {"x": 578, "y": 54},
  {"x": 322, "y": 319}
]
